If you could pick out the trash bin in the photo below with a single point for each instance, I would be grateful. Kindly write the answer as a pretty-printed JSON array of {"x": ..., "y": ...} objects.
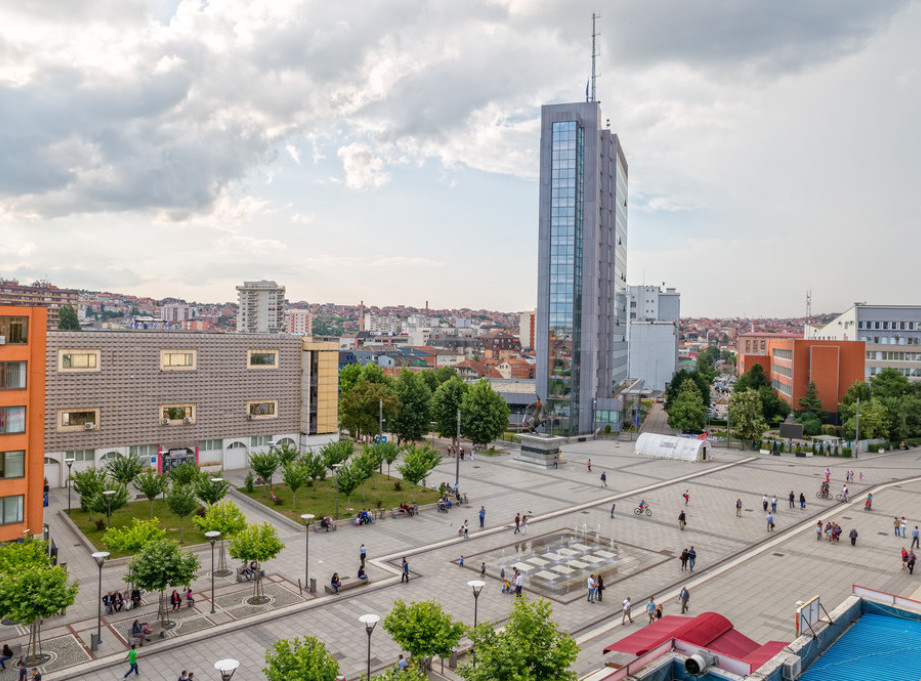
[
  {"x": 94, "y": 642},
  {"x": 313, "y": 585}
]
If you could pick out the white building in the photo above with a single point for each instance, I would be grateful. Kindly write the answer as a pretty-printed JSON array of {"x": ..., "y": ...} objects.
[
  {"x": 652, "y": 304},
  {"x": 526, "y": 327},
  {"x": 261, "y": 307},
  {"x": 179, "y": 312},
  {"x": 299, "y": 321},
  {"x": 653, "y": 334},
  {"x": 382, "y": 325},
  {"x": 881, "y": 327}
]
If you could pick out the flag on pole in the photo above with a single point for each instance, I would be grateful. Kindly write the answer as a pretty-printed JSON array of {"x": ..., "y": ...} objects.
[{"x": 586, "y": 89}]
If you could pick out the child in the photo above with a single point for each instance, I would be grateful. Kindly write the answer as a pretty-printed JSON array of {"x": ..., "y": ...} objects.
[{"x": 462, "y": 560}]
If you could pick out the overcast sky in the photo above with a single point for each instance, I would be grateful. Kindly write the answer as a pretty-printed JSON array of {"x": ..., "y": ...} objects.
[{"x": 388, "y": 150}]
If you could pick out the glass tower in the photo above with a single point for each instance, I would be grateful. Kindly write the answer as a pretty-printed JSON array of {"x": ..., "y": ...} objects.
[{"x": 581, "y": 311}]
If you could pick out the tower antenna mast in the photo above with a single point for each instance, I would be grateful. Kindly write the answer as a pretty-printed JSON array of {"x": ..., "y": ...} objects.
[{"x": 595, "y": 34}]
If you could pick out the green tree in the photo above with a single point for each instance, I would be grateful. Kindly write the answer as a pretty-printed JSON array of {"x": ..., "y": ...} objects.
[
  {"x": 754, "y": 378},
  {"x": 88, "y": 484},
  {"x": 264, "y": 466},
  {"x": 131, "y": 538},
  {"x": 32, "y": 594},
  {"x": 151, "y": 484},
  {"x": 181, "y": 501},
  {"x": 705, "y": 365},
  {"x": 446, "y": 374},
  {"x": 295, "y": 476},
  {"x": 484, "y": 414},
  {"x": 747, "y": 415},
  {"x": 423, "y": 629},
  {"x": 349, "y": 376},
  {"x": 336, "y": 452},
  {"x": 224, "y": 517},
  {"x": 773, "y": 408},
  {"x": 360, "y": 407},
  {"x": 414, "y": 417},
  {"x": 285, "y": 452},
  {"x": 184, "y": 474},
  {"x": 430, "y": 378},
  {"x": 370, "y": 460},
  {"x": 256, "y": 543},
  {"x": 316, "y": 468},
  {"x": 124, "y": 469},
  {"x": 688, "y": 412},
  {"x": 67, "y": 319},
  {"x": 210, "y": 490},
  {"x": 528, "y": 648},
  {"x": 874, "y": 421},
  {"x": 889, "y": 383},
  {"x": 418, "y": 462},
  {"x": 388, "y": 451},
  {"x": 348, "y": 478},
  {"x": 679, "y": 379},
  {"x": 300, "y": 659},
  {"x": 373, "y": 373},
  {"x": 446, "y": 402},
  {"x": 19, "y": 555},
  {"x": 160, "y": 565},
  {"x": 857, "y": 390},
  {"x": 810, "y": 403},
  {"x": 103, "y": 503}
]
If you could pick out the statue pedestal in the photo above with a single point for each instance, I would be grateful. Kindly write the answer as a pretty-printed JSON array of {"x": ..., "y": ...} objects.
[{"x": 539, "y": 450}]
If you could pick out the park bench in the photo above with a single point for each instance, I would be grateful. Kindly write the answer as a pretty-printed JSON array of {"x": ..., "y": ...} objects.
[
  {"x": 318, "y": 527},
  {"x": 140, "y": 639},
  {"x": 248, "y": 576},
  {"x": 346, "y": 583}
]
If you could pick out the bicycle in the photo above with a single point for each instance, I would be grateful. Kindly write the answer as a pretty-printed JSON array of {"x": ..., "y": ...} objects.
[
  {"x": 823, "y": 495},
  {"x": 641, "y": 510},
  {"x": 841, "y": 497}
]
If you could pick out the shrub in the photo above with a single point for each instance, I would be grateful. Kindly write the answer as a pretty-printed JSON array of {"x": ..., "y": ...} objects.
[
  {"x": 607, "y": 428},
  {"x": 441, "y": 489},
  {"x": 248, "y": 484},
  {"x": 200, "y": 512}
]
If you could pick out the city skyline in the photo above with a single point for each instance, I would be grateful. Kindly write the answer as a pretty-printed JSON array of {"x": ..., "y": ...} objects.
[{"x": 175, "y": 149}]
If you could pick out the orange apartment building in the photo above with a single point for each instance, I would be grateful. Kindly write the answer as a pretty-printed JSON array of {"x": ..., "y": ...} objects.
[{"x": 22, "y": 419}]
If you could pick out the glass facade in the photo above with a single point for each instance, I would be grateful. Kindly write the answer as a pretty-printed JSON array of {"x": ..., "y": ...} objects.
[{"x": 565, "y": 314}]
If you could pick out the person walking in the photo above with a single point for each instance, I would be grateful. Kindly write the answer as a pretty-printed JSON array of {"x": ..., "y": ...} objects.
[
  {"x": 132, "y": 662},
  {"x": 590, "y": 583},
  {"x": 599, "y": 588},
  {"x": 895, "y": 525},
  {"x": 682, "y": 520},
  {"x": 613, "y": 506},
  {"x": 692, "y": 558},
  {"x": 519, "y": 583},
  {"x": 770, "y": 522},
  {"x": 466, "y": 529},
  {"x": 904, "y": 558},
  {"x": 589, "y": 465},
  {"x": 483, "y": 569},
  {"x": 604, "y": 479},
  {"x": 818, "y": 531},
  {"x": 903, "y": 526},
  {"x": 914, "y": 538},
  {"x": 627, "y": 611},
  {"x": 404, "y": 577},
  {"x": 911, "y": 562},
  {"x": 687, "y": 497},
  {"x": 482, "y": 516},
  {"x": 802, "y": 501},
  {"x": 362, "y": 554},
  {"x": 21, "y": 666},
  {"x": 774, "y": 504},
  {"x": 684, "y": 596},
  {"x": 684, "y": 559},
  {"x": 517, "y": 523},
  {"x": 792, "y": 499},
  {"x": 183, "y": 676},
  {"x": 524, "y": 522},
  {"x": 738, "y": 508},
  {"x": 651, "y": 610},
  {"x": 853, "y": 535},
  {"x": 764, "y": 502},
  {"x": 36, "y": 675}
]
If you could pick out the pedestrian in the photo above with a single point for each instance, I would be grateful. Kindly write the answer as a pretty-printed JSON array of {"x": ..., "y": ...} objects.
[
  {"x": 651, "y": 610},
  {"x": 472, "y": 451},
  {"x": 658, "y": 611},
  {"x": 682, "y": 520},
  {"x": 765, "y": 502},
  {"x": 461, "y": 453},
  {"x": 903, "y": 526},
  {"x": 517, "y": 523},
  {"x": 770, "y": 522},
  {"x": 684, "y": 559},
  {"x": 792, "y": 499},
  {"x": 7, "y": 655},
  {"x": 466, "y": 530},
  {"x": 556, "y": 461},
  {"x": 599, "y": 589},
  {"x": 827, "y": 475},
  {"x": 402, "y": 664},
  {"x": 405, "y": 576},
  {"x": 482, "y": 516},
  {"x": 802, "y": 501},
  {"x": 853, "y": 536},
  {"x": 183, "y": 676},
  {"x": 191, "y": 676},
  {"x": 590, "y": 583},
  {"x": 483, "y": 569},
  {"x": 604, "y": 479},
  {"x": 914, "y": 538},
  {"x": 22, "y": 670},
  {"x": 132, "y": 663},
  {"x": 818, "y": 531},
  {"x": 684, "y": 596},
  {"x": 774, "y": 504},
  {"x": 627, "y": 611},
  {"x": 524, "y": 522},
  {"x": 904, "y": 558},
  {"x": 362, "y": 554},
  {"x": 687, "y": 497},
  {"x": 36, "y": 675},
  {"x": 519, "y": 583},
  {"x": 844, "y": 493},
  {"x": 911, "y": 562},
  {"x": 461, "y": 561},
  {"x": 895, "y": 525},
  {"x": 738, "y": 508},
  {"x": 613, "y": 506},
  {"x": 692, "y": 558},
  {"x": 589, "y": 465}
]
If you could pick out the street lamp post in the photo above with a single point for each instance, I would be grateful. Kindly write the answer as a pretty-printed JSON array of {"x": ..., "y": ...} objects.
[
  {"x": 108, "y": 494},
  {"x": 336, "y": 468},
  {"x": 477, "y": 586},
  {"x": 226, "y": 668},
  {"x": 212, "y": 536},
  {"x": 457, "y": 455},
  {"x": 307, "y": 517},
  {"x": 222, "y": 570},
  {"x": 100, "y": 558},
  {"x": 370, "y": 621},
  {"x": 70, "y": 465}
]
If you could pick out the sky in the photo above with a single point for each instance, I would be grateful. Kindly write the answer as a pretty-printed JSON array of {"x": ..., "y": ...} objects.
[{"x": 387, "y": 150}]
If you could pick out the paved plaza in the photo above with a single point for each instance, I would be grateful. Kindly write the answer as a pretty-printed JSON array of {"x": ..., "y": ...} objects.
[{"x": 751, "y": 576}]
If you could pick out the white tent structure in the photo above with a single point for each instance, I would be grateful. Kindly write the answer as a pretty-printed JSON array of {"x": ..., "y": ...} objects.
[{"x": 671, "y": 447}]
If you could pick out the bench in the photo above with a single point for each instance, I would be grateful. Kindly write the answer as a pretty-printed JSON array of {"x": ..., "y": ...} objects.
[
  {"x": 248, "y": 576},
  {"x": 318, "y": 527},
  {"x": 140, "y": 639},
  {"x": 346, "y": 583},
  {"x": 398, "y": 513}
]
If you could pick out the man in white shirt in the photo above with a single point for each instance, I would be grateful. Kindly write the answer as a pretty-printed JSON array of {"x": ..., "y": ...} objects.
[
  {"x": 590, "y": 582},
  {"x": 627, "y": 613},
  {"x": 519, "y": 583}
]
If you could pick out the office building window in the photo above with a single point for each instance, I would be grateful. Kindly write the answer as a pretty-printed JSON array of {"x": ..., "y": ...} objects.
[
  {"x": 178, "y": 360},
  {"x": 78, "y": 419},
  {"x": 12, "y": 464},
  {"x": 211, "y": 445},
  {"x": 12, "y": 420},
  {"x": 78, "y": 360},
  {"x": 143, "y": 450},
  {"x": 262, "y": 410},
  {"x": 177, "y": 413},
  {"x": 261, "y": 359},
  {"x": 11, "y": 509},
  {"x": 76, "y": 455},
  {"x": 12, "y": 375},
  {"x": 783, "y": 354},
  {"x": 14, "y": 330},
  {"x": 260, "y": 440}
]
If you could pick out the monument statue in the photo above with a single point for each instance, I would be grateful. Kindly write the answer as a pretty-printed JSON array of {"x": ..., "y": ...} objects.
[{"x": 537, "y": 417}]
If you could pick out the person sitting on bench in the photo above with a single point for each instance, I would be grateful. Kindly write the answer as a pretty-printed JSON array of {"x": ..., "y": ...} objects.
[
  {"x": 246, "y": 572},
  {"x": 361, "y": 572},
  {"x": 335, "y": 582}
]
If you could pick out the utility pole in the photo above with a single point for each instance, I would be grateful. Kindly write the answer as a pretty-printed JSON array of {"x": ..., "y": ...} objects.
[
  {"x": 380, "y": 420},
  {"x": 457, "y": 454},
  {"x": 857, "y": 431},
  {"x": 728, "y": 426}
]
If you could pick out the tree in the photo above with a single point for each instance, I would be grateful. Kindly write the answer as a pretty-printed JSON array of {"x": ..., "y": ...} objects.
[
  {"x": 810, "y": 402},
  {"x": 32, "y": 594},
  {"x": 747, "y": 415},
  {"x": 773, "y": 408},
  {"x": 336, "y": 452},
  {"x": 874, "y": 421},
  {"x": 161, "y": 565},
  {"x": 67, "y": 319},
  {"x": 413, "y": 419},
  {"x": 423, "y": 629},
  {"x": 295, "y": 476},
  {"x": 679, "y": 379},
  {"x": 857, "y": 390},
  {"x": 889, "y": 383},
  {"x": 285, "y": 453},
  {"x": 18, "y": 555},
  {"x": 316, "y": 468},
  {"x": 348, "y": 478},
  {"x": 210, "y": 490},
  {"x": 706, "y": 363},
  {"x": 348, "y": 376},
  {"x": 754, "y": 378},
  {"x": 131, "y": 538},
  {"x": 446, "y": 374},
  {"x": 184, "y": 474},
  {"x": 151, "y": 484},
  {"x": 688, "y": 411},
  {"x": 300, "y": 659},
  {"x": 124, "y": 469},
  {"x": 484, "y": 414},
  {"x": 224, "y": 517},
  {"x": 360, "y": 407},
  {"x": 87, "y": 484},
  {"x": 446, "y": 402},
  {"x": 103, "y": 503},
  {"x": 528, "y": 648},
  {"x": 418, "y": 462},
  {"x": 388, "y": 452},
  {"x": 264, "y": 466},
  {"x": 181, "y": 501},
  {"x": 430, "y": 378},
  {"x": 256, "y": 543}
]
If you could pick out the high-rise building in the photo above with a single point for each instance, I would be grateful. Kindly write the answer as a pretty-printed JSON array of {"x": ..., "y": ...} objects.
[
  {"x": 299, "y": 321},
  {"x": 39, "y": 293},
  {"x": 653, "y": 304},
  {"x": 582, "y": 262},
  {"x": 652, "y": 334},
  {"x": 261, "y": 307},
  {"x": 526, "y": 329}
]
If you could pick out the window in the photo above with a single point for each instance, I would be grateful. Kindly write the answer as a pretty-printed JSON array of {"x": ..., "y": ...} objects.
[
  {"x": 12, "y": 419},
  {"x": 178, "y": 360},
  {"x": 77, "y": 419},
  {"x": 783, "y": 354},
  {"x": 211, "y": 445},
  {"x": 143, "y": 450},
  {"x": 80, "y": 455},
  {"x": 260, "y": 440},
  {"x": 12, "y": 375},
  {"x": 177, "y": 413},
  {"x": 109, "y": 456},
  {"x": 78, "y": 360},
  {"x": 11, "y": 509},
  {"x": 14, "y": 330},
  {"x": 262, "y": 410},
  {"x": 12, "y": 464},
  {"x": 262, "y": 359}
]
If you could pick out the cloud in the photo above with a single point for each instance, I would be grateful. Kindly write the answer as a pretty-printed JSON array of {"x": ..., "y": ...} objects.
[
  {"x": 362, "y": 168},
  {"x": 293, "y": 153}
]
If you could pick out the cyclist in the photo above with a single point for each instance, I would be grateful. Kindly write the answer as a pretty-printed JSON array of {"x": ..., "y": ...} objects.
[
  {"x": 844, "y": 493},
  {"x": 643, "y": 505}
]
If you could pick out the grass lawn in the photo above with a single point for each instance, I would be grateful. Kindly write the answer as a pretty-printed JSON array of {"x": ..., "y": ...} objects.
[
  {"x": 322, "y": 501},
  {"x": 137, "y": 509}
]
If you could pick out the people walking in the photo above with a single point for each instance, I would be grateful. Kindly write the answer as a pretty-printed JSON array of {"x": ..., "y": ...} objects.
[
  {"x": 589, "y": 465},
  {"x": 903, "y": 526},
  {"x": 818, "y": 531},
  {"x": 482, "y": 515},
  {"x": 651, "y": 610},
  {"x": 684, "y": 596},
  {"x": 613, "y": 506},
  {"x": 466, "y": 529},
  {"x": 764, "y": 502},
  {"x": 604, "y": 479},
  {"x": 774, "y": 504},
  {"x": 682, "y": 520},
  {"x": 517, "y": 523},
  {"x": 792, "y": 499},
  {"x": 404, "y": 577},
  {"x": 362, "y": 554},
  {"x": 692, "y": 558},
  {"x": 684, "y": 559},
  {"x": 738, "y": 508},
  {"x": 904, "y": 558},
  {"x": 770, "y": 522},
  {"x": 853, "y": 535},
  {"x": 483, "y": 569},
  {"x": 802, "y": 501},
  {"x": 914, "y": 538},
  {"x": 590, "y": 583},
  {"x": 519, "y": 583},
  {"x": 687, "y": 497},
  {"x": 132, "y": 662},
  {"x": 911, "y": 562},
  {"x": 627, "y": 613},
  {"x": 895, "y": 525}
]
